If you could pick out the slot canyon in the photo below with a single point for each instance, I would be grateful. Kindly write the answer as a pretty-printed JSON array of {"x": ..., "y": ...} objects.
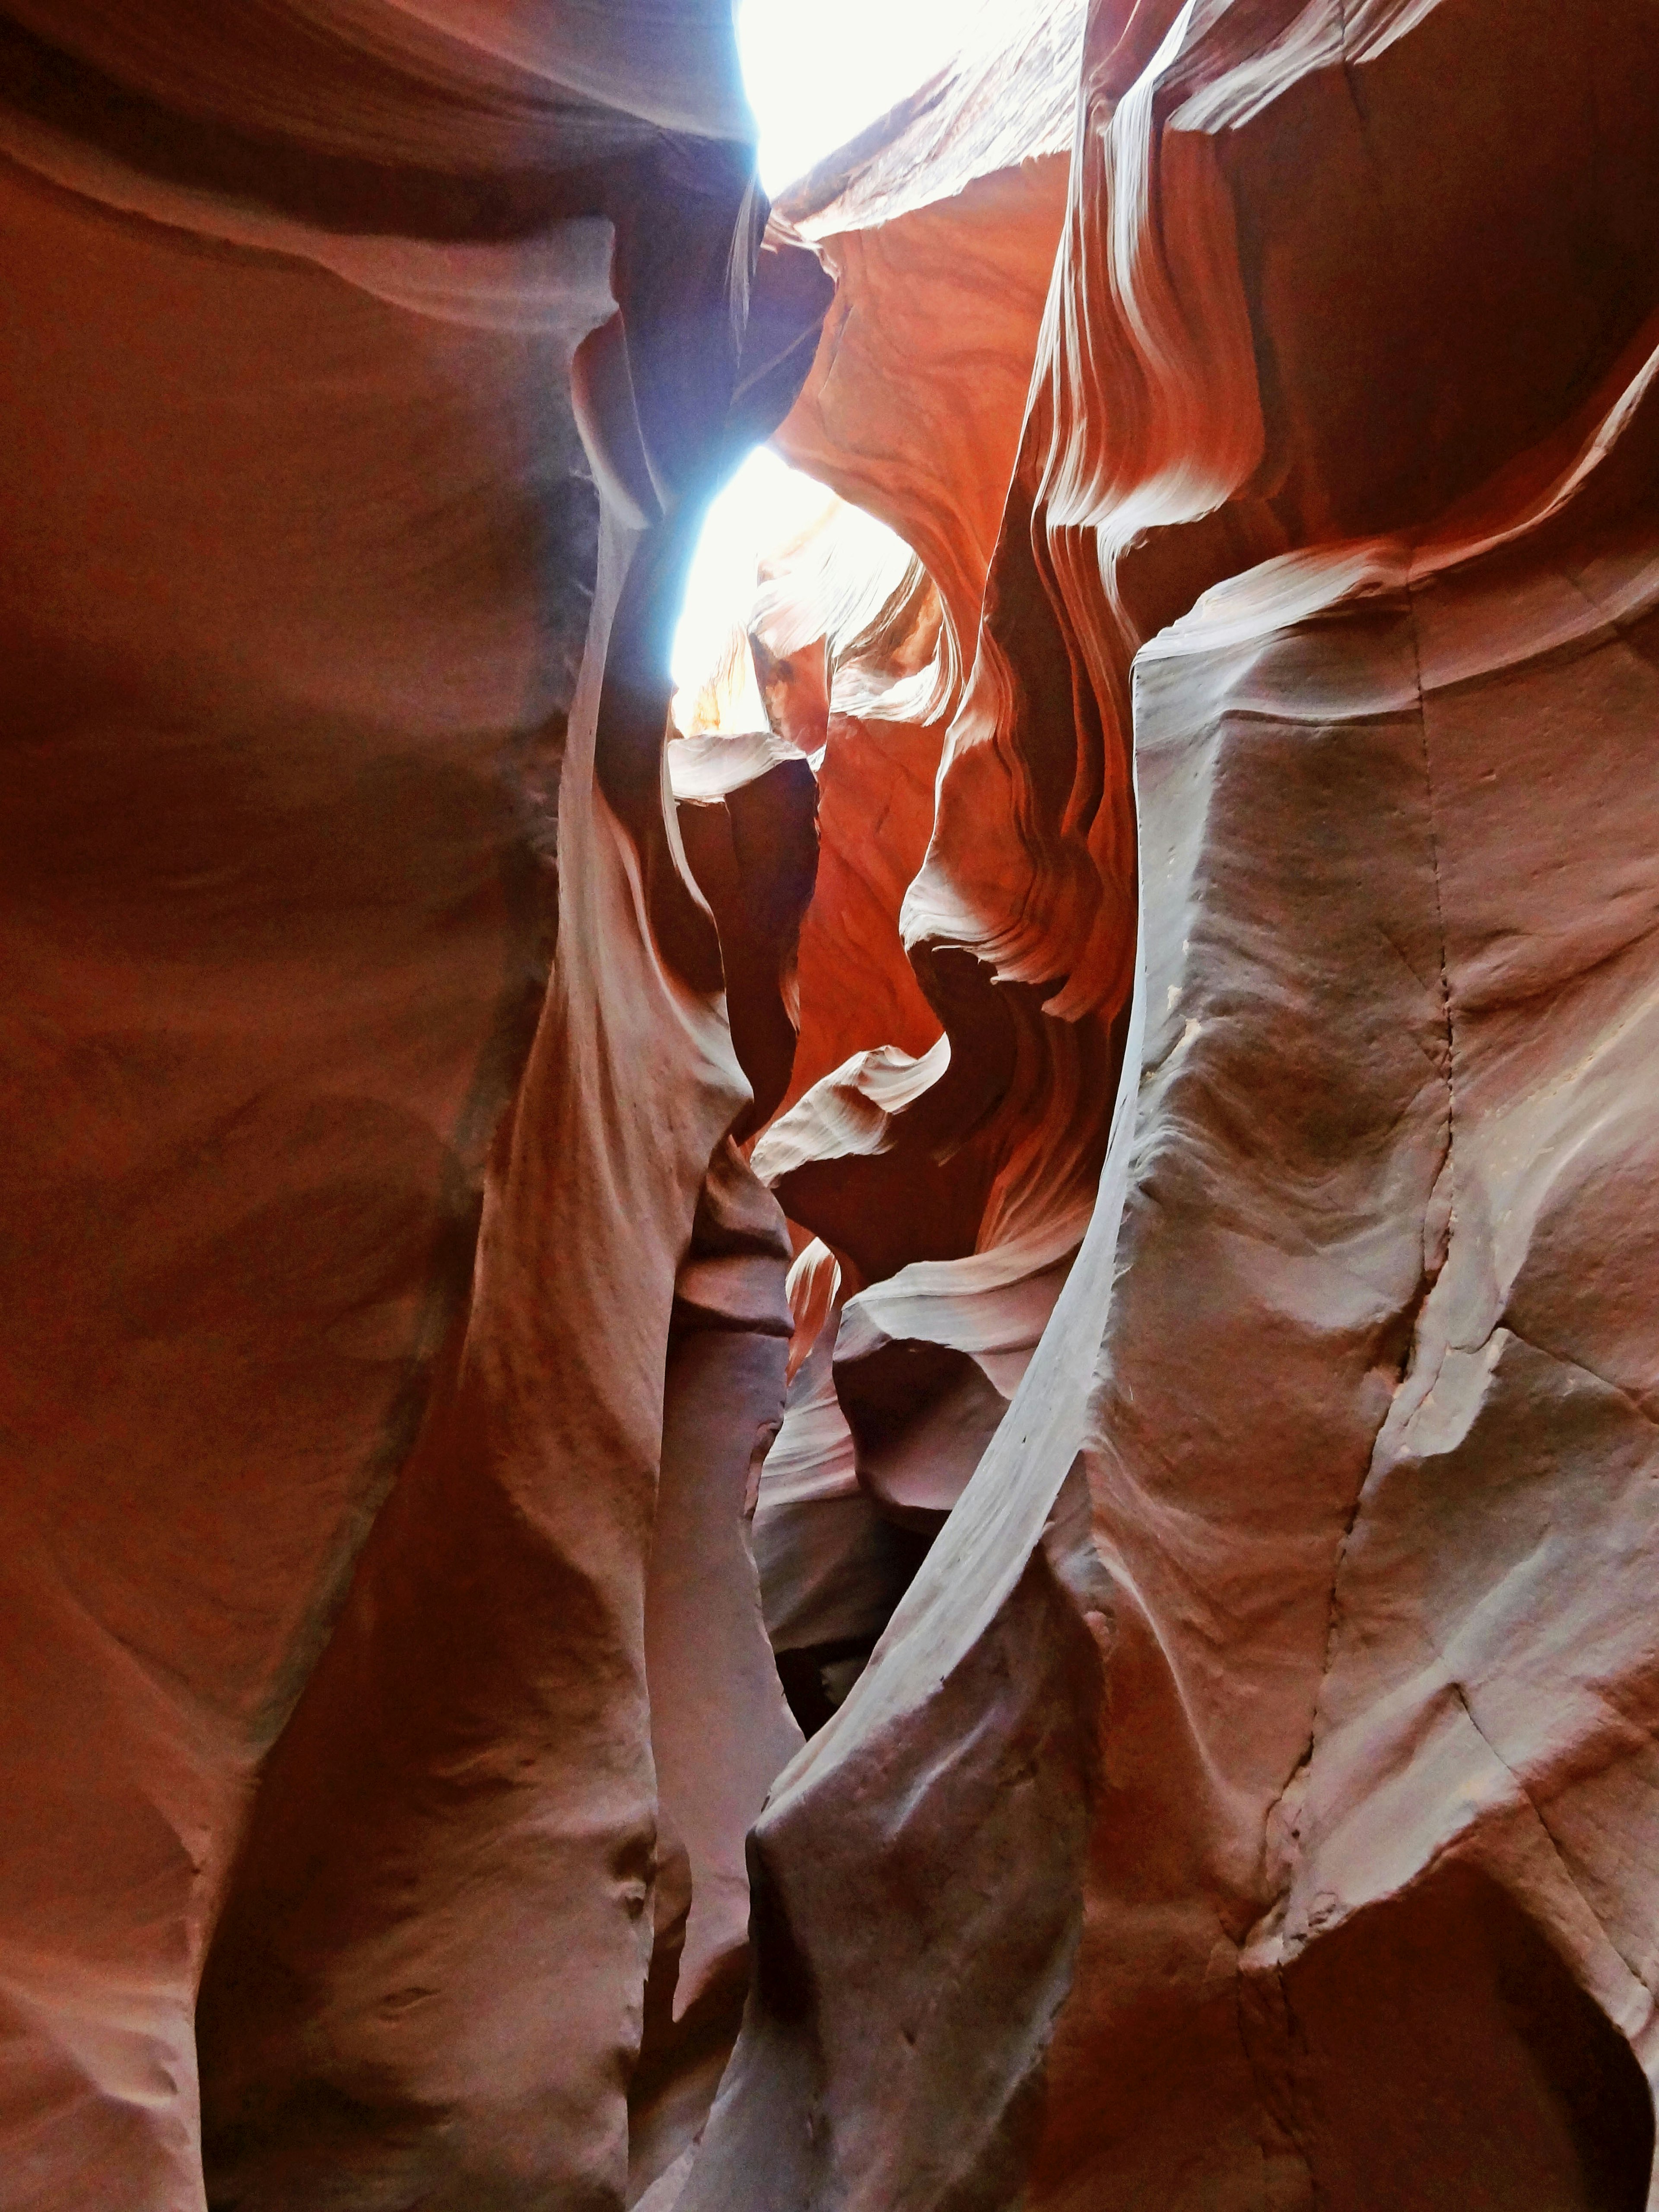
[{"x": 872, "y": 1432}]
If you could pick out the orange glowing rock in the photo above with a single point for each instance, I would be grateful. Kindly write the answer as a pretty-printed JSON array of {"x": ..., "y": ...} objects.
[
  {"x": 1054, "y": 1190},
  {"x": 1249, "y": 1801}
]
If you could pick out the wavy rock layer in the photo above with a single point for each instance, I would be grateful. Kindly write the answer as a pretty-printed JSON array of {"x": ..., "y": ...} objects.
[
  {"x": 956, "y": 1179},
  {"x": 1193, "y": 1308},
  {"x": 1292, "y": 1634},
  {"x": 375, "y": 1287}
]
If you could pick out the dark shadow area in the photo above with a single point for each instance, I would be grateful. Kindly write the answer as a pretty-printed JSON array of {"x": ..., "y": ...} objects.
[{"x": 1454, "y": 2065}]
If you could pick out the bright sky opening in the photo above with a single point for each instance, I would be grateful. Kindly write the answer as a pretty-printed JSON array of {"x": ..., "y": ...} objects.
[
  {"x": 815, "y": 77},
  {"x": 765, "y": 503}
]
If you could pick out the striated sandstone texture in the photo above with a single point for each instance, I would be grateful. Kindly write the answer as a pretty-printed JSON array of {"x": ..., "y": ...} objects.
[
  {"x": 379, "y": 1273},
  {"x": 1084, "y": 1120},
  {"x": 951, "y": 1166},
  {"x": 1253, "y": 1801}
]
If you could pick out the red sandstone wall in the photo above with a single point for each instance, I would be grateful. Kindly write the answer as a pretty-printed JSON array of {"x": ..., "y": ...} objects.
[
  {"x": 1241, "y": 1172},
  {"x": 377, "y": 1274},
  {"x": 1291, "y": 1636}
]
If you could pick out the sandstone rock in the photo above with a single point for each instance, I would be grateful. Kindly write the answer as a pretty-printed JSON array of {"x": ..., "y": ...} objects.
[
  {"x": 939, "y": 225},
  {"x": 984, "y": 1150},
  {"x": 748, "y": 824},
  {"x": 1209, "y": 1115},
  {"x": 832, "y": 1563},
  {"x": 846, "y": 631},
  {"x": 430, "y": 1975},
  {"x": 719, "y": 1731},
  {"x": 302, "y": 561},
  {"x": 1334, "y": 1448}
]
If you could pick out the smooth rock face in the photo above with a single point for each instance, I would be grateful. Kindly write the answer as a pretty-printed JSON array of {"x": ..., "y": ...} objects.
[
  {"x": 1106, "y": 1151},
  {"x": 342, "y": 1246},
  {"x": 1341, "y": 1408}
]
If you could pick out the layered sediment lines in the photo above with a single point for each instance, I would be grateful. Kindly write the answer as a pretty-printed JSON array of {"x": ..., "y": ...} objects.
[
  {"x": 956, "y": 1180},
  {"x": 1313, "y": 694},
  {"x": 349, "y": 1225},
  {"x": 1087, "y": 1126}
]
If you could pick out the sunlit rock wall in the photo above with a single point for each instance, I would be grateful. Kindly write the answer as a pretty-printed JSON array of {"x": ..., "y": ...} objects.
[
  {"x": 951, "y": 1166},
  {"x": 1252, "y": 1801},
  {"x": 1097, "y": 1134}
]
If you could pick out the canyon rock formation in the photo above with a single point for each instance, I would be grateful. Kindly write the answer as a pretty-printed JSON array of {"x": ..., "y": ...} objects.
[
  {"x": 1055, "y": 1191},
  {"x": 380, "y": 1266}
]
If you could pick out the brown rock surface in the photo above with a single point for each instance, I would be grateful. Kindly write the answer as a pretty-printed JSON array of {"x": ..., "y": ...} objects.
[
  {"x": 939, "y": 226},
  {"x": 1190, "y": 939},
  {"x": 845, "y": 637},
  {"x": 1322, "y": 1513},
  {"x": 300, "y": 563},
  {"x": 958, "y": 1177}
]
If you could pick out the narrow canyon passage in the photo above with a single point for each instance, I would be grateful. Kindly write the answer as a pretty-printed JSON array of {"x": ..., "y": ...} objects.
[{"x": 831, "y": 1192}]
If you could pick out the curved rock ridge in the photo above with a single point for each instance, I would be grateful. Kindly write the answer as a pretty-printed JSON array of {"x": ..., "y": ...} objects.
[
  {"x": 939, "y": 225},
  {"x": 746, "y": 812},
  {"x": 840, "y": 648},
  {"x": 1291, "y": 1635},
  {"x": 846, "y": 638},
  {"x": 832, "y": 1564},
  {"x": 834, "y": 672},
  {"x": 370, "y": 365},
  {"x": 976, "y": 1150},
  {"x": 888, "y": 1440}
]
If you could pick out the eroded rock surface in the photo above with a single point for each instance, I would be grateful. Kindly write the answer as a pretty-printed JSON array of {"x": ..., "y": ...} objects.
[
  {"x": 1345, "y": 551},
  {"x": 346, "y": 1237},
  {"x": 1088, "y": 1126}
]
